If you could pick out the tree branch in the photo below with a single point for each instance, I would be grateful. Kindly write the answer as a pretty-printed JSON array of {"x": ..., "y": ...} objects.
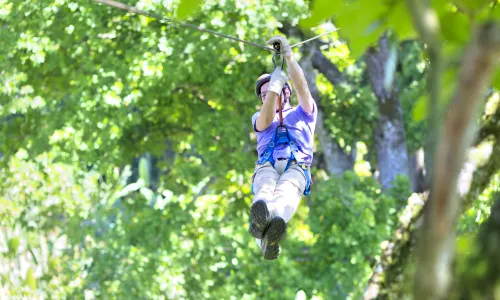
[
  {"x": 386, "y": 276},
  {"x": 427, "y": 24},
  {"x": 337, "y": 161},
  {"x": 395, "y": 253},
  {"x": 326, "y": 67},
  {"x": 389, "y": 133},
  {"x": 436, "y": 247}
]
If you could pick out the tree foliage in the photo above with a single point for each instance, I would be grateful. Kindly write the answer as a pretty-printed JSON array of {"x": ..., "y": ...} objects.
[{"x": 127, "y": 148}]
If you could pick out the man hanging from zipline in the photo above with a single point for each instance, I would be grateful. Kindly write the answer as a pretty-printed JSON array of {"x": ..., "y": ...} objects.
[{"x": 285, "y": 139}]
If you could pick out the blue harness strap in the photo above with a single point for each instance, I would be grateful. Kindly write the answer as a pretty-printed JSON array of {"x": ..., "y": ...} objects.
[{"x": 282, "y": 136}]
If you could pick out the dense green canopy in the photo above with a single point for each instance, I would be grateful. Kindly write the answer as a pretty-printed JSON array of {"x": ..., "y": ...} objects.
[{"x": 127, "y": 148}]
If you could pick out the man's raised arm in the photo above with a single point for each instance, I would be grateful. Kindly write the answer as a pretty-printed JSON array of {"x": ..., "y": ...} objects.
[{"x": 296, "y": 74}]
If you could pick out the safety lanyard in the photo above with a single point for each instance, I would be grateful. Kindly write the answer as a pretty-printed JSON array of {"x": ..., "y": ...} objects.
[{"x": 276, "y": 47}]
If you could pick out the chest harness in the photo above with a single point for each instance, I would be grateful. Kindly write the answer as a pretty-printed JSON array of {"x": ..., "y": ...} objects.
[{"x": 282, "y": 135}]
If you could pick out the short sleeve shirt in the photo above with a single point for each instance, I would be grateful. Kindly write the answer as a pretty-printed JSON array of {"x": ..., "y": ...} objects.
[{"x": 300, "y": 125}]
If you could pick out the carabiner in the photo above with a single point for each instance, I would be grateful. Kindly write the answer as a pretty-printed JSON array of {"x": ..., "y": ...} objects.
[
  {"x": 282, "y": 60},
  {"x": 276, "y": 47}
]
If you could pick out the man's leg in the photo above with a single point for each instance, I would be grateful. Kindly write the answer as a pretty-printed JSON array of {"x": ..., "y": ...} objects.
[
  {"x": 264, "y": 182},
  {"x": 277, "y": 227},
  {"x": 288, "y": 192},
  {"x": 279, "y": 168},
  {"x": 267, "y": 229}
]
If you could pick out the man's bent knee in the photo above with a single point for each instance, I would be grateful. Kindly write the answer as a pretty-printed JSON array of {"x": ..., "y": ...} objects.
[
  {"x": 264, "y": 179},
  {"x": 296, "y": 176}
]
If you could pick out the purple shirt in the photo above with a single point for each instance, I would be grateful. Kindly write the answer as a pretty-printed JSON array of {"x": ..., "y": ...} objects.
[{"x": 301, "y": 127}]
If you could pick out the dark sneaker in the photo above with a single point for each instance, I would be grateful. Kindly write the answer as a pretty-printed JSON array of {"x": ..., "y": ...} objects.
[
  {"x": 259, "y": 219},
  {"x": 274, "y": 234}
]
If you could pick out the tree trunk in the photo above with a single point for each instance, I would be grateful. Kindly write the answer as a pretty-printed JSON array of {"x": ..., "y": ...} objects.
[
  {"x": 389, "y": 132},
  {"x": 326, "y": 67},
  {"x": 417, "y": 172},
  {"x": 387, "y": 279},
  {"x": 388, "y": 275},
  {"x": 437, "y": 243},
  {"x": 336, "y": 160}
]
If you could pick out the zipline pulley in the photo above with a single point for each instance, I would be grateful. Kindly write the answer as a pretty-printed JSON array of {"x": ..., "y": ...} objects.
[{"x": 276, "y": 47}]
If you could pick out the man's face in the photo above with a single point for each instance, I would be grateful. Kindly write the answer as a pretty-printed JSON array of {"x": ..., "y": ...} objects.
[{"x": 263, "y": 93}]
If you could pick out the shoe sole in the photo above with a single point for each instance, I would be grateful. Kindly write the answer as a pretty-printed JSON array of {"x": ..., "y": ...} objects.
[
  {"x": 275, "y": 233},
  {"x": 259, "y": 219}
]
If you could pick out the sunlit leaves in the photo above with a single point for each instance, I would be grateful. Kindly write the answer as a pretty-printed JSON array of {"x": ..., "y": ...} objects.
[
  {"x": 321, "y": 10},
  {"x": 399, "y": 20},
  {"x": 13, "y": 245},
  {"x": 419, "y": 112},
  {"x": 361, "y": 22},
  {"x": 188, "y": 8},
  {"x": 471, "y": 7},
  {"x": 95, "y": 88},
  {"x": 31, "y": 279},
  {"x": 36, "y": 46},
  {"x": 494, "y": 13},
  {"x": 455, "y": 27},
  {"x": 339, "y": 237},
  {"x": 5, "y": 8},
  {"x": 449, "y": 80},
  {"x": 496, "y": 80}
]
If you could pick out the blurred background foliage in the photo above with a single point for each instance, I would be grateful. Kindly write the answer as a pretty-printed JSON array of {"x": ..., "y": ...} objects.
[{"x": 127, "y": 152}]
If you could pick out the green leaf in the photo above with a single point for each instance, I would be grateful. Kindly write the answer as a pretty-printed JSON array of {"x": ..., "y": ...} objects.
[
  {"x": 400, "y": 20},
  {"x": 13, "y": 245},
  {"x": 53, "y": 264},
  {"x": 471, "y": 6},
  {"x": 496, "y": 79},
  {"x": 360, "y": 24},
  {"x": 188, "y": 8},
  {"x": 358, "y": 46},
  {"x": 465, "y": 244},
  {"x": 455, "y": 27},
  {"x": 419, "y": 111},
  {"x": 320, "y": 11},
  {"x": 495, "y": 13},
  {"x": 449, "y": 85},
  {"x": 30, "y": 279}
]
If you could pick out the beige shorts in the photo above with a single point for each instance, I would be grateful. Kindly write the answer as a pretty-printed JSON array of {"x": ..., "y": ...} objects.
[{"x": 281, "y": 190}]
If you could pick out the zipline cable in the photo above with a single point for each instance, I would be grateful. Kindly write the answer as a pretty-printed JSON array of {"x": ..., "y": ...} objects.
[
  {"x": 316, "y": 37},
  {"x": 156, "y": 16},
  {"x": 161, "y": 18}
]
